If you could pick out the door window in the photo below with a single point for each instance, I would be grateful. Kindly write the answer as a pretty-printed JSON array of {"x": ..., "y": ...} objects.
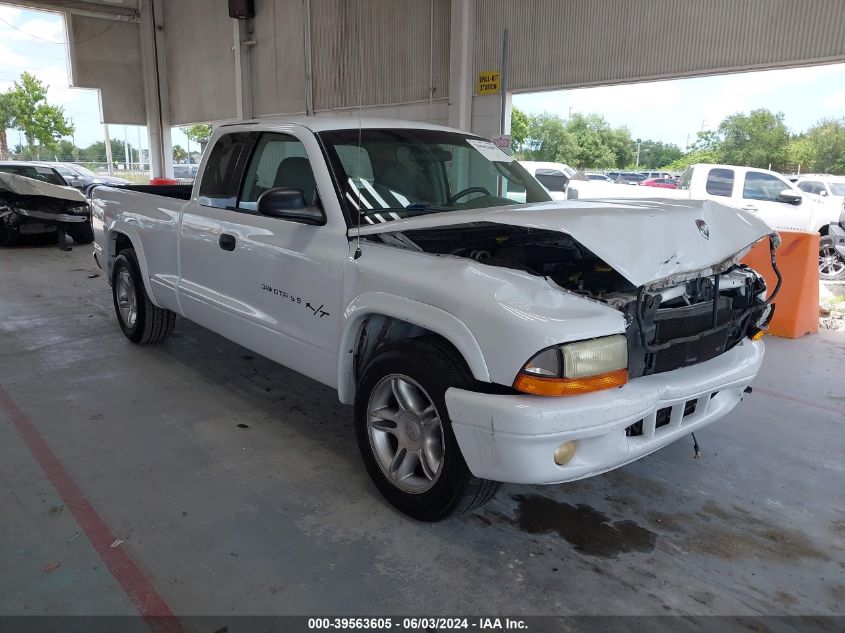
[
  {"x": 762, "y": 186},
  {"x": 720, "y": 182},
  {"x": 220, "y": 178},
  {"x": 279, "y": 160},
  {"x": 811, "y": 186},
  {"x": 552, "y": 179}
]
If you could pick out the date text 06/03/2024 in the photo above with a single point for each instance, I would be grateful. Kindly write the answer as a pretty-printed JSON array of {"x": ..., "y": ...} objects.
[{"x": 417, "y": 623}]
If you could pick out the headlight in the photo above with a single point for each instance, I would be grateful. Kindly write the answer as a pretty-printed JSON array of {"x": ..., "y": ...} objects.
[{"x": 574, "y": 368}]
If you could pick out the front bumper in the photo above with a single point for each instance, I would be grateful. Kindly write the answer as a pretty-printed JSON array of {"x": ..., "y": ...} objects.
[{"x": 512, "y": 438}]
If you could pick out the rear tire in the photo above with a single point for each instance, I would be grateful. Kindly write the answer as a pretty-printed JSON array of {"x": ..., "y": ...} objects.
[
  {"x": 82, "y": 232},
  {"x": 430, "y": 480},
  {"x": 141, "y": 321},
  {"x": 831, "y": 263}
]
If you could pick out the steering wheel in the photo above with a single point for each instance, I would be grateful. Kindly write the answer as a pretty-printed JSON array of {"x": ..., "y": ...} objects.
[{"x": 467, "y": 191}]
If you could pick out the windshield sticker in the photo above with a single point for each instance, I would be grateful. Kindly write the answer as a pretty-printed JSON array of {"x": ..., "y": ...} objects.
[
  {"x": 44, "y": 170},
  {"x": 490, "y": 151}
]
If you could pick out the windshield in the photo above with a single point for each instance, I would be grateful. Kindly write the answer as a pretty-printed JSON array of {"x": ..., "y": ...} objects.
[
  {"x": 44, "y": 174},
  {"x": 837, "y": 188},
  {"x": 394, "y": 174},
  {"x": 82, "y": 171}
]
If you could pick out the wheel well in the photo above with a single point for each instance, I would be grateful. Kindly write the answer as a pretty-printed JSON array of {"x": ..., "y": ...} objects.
[
  {"x": 378, "y": 330},
  {"x": 121, "y": 242}
]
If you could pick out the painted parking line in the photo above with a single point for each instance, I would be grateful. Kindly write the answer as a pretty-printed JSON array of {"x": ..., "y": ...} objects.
[{"x": 123, "y": 568}]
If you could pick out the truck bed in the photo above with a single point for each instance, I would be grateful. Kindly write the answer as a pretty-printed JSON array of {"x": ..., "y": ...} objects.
[{"x": 180, "y": 192}]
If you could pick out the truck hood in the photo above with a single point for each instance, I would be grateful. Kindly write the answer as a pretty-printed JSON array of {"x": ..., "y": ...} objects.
[
  {"x": 643, "y": 240},
  {"x": 23, "y": 186}
]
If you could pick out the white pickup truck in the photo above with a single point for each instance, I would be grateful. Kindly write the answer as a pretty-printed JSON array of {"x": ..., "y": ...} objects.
[
  {"x": 481, "y": 339},
  {"x": 761, "y": 192}
]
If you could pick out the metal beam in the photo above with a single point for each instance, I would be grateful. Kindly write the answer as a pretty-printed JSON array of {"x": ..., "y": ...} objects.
[
  {"x": 243, "y": 77},
  {"x": 81, "y": 7},
  {"x": 461, "y": 51},
  {"x": 156, "y": 101}
]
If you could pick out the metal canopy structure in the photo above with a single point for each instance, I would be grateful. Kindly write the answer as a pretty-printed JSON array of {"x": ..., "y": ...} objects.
[{"x": 174, "y": 62}]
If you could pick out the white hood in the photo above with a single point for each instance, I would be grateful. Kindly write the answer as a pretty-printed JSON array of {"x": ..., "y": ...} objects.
[
  {"x": 643, "y": 240},
  {"x": 23, "y": 186}
]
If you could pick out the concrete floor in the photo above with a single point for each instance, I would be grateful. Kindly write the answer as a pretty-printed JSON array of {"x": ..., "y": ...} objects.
[{"x": 236, "y": 488}]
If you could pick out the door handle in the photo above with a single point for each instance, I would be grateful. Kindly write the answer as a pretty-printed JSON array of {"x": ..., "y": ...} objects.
[
  {"x": 227, "y": 242},
  {"x": 749, "y": 207}
]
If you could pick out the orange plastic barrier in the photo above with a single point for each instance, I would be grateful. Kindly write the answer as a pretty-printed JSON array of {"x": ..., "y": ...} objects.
[{"x": 797, "y": 303}]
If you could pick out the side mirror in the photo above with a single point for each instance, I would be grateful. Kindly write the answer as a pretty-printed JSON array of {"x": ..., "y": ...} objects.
[
  {"x": 823, "y": 193},
  {"x": 790, "y": 197},
  {"x": 289, "y": 204},
  {"x": 76, "y": 182}
]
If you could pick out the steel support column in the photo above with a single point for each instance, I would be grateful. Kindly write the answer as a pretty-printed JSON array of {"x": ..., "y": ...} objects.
[{"x": 156, "y": 98}]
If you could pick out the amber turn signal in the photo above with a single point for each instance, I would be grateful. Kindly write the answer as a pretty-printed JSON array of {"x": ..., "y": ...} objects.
[{"x": 569, "y": 386}]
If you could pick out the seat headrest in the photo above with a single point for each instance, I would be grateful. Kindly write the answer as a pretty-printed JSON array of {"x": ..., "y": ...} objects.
[{"x": 295, "y": 172}]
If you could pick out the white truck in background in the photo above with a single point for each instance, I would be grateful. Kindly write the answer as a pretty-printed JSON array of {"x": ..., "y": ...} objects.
[
  {"x": 481, "y": 338},
  {"x": 761, "y": 192}
]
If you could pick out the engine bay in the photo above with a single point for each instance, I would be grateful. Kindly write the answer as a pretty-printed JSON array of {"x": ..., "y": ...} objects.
[{"x": 668, "y": 327}]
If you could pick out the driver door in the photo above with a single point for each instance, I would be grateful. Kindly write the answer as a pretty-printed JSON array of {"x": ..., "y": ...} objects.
[{"x": 270, "y": 284}]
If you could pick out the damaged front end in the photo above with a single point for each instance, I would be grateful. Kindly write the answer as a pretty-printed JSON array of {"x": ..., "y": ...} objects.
[
  {"x": 31, "y": 207},
  {"x": 686, "y": 318}
]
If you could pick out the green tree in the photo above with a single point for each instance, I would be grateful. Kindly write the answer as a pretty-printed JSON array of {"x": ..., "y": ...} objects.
[
  {"x": 594, "y": 141},
  {"x": 827, "y": 139},
  {"x": 519, "y": 129},
  {"x": 656, "y": 154},
  {"x": 548, "y": 139},
  {"x": 96, "y": 152},
  {"x": 756, "y": 139},
  {"x": 801, "y": 154},
  {"x": 31, "y": 114},
  {"x": 64, "y": 150},
  {"x": 691, "y": 158},
  {"x": 179, "y": 154},
  {"x": 6, "y": 121},
  {"x": 198, "y": 133}
]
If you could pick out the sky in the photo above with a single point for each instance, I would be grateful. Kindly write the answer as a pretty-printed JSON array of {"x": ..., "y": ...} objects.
[
  {"x": 673, "y": 111},
  {"x": 35, "y": 41},
  {"x": 668, "y": 111}
]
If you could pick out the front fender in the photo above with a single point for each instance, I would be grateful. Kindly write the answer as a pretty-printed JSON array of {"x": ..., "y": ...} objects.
[
  {"x": 421, "y": 314},
  {"x": 115, "y": 228}
]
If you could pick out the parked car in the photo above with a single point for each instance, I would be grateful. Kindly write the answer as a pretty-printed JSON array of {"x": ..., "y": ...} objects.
[
  {"x": 185, "y": 171},
  {"x": 824, "y": 185},
  {"x": 832, "y": 251},
  {"x": 40, "y": 205},
  {"x": 380, "y": 259},
  {"x": 831, "y": 190},
  {"x": 663, "y": 183},
  {"x": 553, "y": 176},
  {"x": 594, "y": 175},
  {"x": 33, "y": 170},
  {"x": 81, "y": 178},
  {"x": 626, "y": 177}
]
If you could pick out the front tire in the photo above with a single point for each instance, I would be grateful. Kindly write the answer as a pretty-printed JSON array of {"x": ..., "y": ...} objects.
[
  {"x": 141, "y": 321},
  {"x": 405, "y": 435},
  {"x": 831, "y": 263}
]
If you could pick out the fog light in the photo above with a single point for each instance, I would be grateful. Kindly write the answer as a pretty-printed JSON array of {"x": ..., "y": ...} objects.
[{"x": 565, "y": 452}]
